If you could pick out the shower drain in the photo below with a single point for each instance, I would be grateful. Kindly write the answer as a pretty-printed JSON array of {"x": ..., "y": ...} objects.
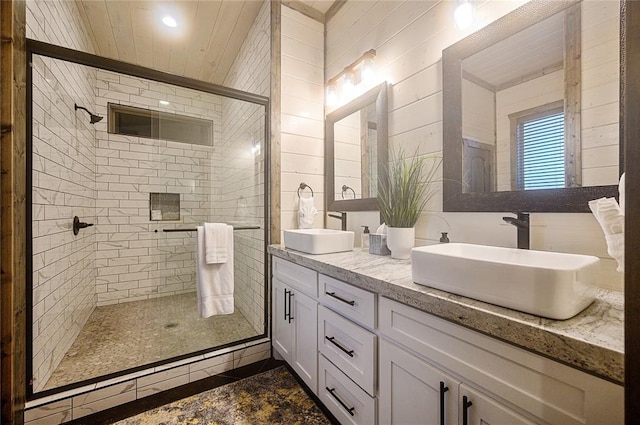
[{"x": 171, "y": 325}]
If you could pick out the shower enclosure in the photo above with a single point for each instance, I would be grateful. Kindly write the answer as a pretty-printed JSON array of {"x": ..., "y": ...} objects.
[{"x": 123, "y": 163}]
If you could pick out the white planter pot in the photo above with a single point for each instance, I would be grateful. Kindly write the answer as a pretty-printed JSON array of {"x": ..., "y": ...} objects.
[{"x": 400, "y": 240}]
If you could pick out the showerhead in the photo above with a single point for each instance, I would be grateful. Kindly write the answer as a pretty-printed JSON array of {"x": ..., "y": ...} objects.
[{"x": 94, "y": 118}]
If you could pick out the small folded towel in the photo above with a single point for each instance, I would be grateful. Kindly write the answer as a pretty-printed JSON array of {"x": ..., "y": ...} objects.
[
  {"x": 608, "y": 214},
  {"x": 214, "y": 282},
  {"x": 306, "y": 213},
  {"x": 215, "y": 242},
  {"x": 611, "y": 219},
  {"x": 615, "y": 248}
]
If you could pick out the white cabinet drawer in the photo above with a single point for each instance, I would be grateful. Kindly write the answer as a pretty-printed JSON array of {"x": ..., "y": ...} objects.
[
  {"x": 348, "y": 403},
  {"x": 298, "y": 277},
  {"x": 348, "y": 346},
  {"x": 355, "y": 303}
]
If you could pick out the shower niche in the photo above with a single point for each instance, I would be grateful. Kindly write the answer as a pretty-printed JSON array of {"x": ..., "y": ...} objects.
[{"x": 120, "y": 296}]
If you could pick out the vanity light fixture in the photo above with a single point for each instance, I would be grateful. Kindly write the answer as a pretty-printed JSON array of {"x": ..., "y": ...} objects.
[
  {"x": 360, "y": 72},
  {"x": 169, "y": 21},
  {"x": 464, "y": 14}
]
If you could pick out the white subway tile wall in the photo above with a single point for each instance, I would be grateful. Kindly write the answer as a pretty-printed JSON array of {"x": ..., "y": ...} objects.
[
  {"x": 64, "y": 185},
  {"x": 409, "y": 38},
  {"x": 302, "y": 119},
  {"x": 64, "y": 164},
  {"x": 242, "y": 174},
  {"x": 133, "y": 261}
]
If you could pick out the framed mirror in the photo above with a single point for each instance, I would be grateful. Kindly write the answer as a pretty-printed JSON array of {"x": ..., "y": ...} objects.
[
  {"x": 355, "y": 151},
  {"x": 531, "y": 110}
]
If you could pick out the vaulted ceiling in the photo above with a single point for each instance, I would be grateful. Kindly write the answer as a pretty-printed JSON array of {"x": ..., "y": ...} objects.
[{"x": 203, "y": 45}]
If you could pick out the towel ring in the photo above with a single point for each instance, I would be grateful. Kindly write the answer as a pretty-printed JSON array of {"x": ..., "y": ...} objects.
[
  {"x": 304, "y": 186},
  {"x": 345, "y": 188}
]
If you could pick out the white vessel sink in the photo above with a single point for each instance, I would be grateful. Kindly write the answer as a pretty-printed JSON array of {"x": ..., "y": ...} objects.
[
  {"x": 548, "y": 284},
  {"x": 318, "y": 241}
]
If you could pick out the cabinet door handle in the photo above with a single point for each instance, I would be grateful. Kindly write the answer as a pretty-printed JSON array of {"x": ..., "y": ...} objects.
[
  {"x": 332, "y": 340},
  {"x": 290, "y": 316},
  {"x": 286, "y": 298},
  {"x": 333, "y": 294},
  {"x": 348, "y": 409},
  {"x": 443, "y": 389},
  {"x": 466, "y": 404}
]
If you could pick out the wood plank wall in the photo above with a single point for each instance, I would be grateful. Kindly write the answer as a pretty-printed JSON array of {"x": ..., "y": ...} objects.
[{"x": 13, "y": 166}]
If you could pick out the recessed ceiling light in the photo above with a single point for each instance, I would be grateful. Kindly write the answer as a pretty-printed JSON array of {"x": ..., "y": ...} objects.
[
  {"x": 169, "y": 21},
  {"x": 164, "y": 102}
]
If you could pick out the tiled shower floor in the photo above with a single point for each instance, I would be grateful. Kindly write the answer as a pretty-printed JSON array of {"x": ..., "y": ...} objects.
[{"x": 123, "y": 336}]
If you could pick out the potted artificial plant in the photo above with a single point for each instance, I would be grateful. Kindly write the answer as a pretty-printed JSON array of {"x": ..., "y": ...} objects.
[{"x": 403, "y": 192}]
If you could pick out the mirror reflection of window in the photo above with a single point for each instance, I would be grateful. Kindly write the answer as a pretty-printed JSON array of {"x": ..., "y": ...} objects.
[{"x": 539, "y": 149}]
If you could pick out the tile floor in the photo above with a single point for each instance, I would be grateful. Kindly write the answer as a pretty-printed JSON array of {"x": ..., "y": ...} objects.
[
  {"x": 124, "y": 336},
  {"x": 273, "y": 397}
]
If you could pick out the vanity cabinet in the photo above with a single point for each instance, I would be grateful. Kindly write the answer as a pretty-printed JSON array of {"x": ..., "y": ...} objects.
[
  {"x": 295, "y": 319},
  {"x": 372, "y": 360},
  {"x": 487, "y": 381}
]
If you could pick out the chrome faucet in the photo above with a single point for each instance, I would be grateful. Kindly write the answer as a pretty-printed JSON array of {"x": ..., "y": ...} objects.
[
  {"x": 522, "y": 223},
  {"x": 343, "y": 219}
]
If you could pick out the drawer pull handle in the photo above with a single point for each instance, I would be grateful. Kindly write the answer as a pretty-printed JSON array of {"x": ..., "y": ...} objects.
[
  {"x": 332, "y": 340},
  {"x": 348, "y": 409},
  {"x": 333, "y": 294},
  {"x": 443, "y": 389},
  {"x": 466, "y": 404}
]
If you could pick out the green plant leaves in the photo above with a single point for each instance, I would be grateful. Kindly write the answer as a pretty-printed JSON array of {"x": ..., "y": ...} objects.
[{"x": 406, "y": 188}]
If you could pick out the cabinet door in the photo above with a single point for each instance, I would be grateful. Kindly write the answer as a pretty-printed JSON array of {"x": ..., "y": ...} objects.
[
  {"x": 282, "y": 329},
  {"x": 410, "y": 390},
  {"x": 484, "y": 410},
  {"x": 304, "y": 312}
]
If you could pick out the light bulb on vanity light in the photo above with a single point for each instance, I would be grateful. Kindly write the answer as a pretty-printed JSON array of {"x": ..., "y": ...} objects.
[
  {"x": 348, "y": 84},
  {"x": 367, "y": 70},
  {"x": 463, "y": 15},
  {"x": 331, "y": 95}
]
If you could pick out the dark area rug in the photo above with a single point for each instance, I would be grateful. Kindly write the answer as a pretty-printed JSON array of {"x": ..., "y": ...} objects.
[{"x": 272, "y": 397}]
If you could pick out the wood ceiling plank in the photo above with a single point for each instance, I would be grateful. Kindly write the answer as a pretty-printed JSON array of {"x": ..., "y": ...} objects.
[
  {"x": 119, "y": 13},
  {"x": 207, "y": 15},
  {"x": 143, "y": 29},
  {"x": 229, "y": 15},
  {"x": 98, "y": 23},
  {"x": 88, "y": 28},
  {"x": 237, "y": 37},
  {"x": 181, "y": 45}
]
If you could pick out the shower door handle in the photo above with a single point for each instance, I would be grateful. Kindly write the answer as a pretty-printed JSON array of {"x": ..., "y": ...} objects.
[{"x": 77, "y": 225}]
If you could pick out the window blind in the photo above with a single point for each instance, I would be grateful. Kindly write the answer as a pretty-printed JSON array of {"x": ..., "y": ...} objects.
[{"x": 540, "y": 152}]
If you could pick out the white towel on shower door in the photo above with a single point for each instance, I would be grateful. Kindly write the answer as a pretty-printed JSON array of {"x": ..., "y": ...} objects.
[
  {"x": 214, "y": 282},
  {"x": 215, "y": 243}
]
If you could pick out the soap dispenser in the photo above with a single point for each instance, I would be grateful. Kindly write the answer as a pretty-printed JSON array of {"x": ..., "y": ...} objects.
[
  {"x": 364, "y": 239},
  {"x": 444, "y": 238}
]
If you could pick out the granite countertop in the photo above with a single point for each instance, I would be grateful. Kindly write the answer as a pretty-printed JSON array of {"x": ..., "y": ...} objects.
[{"x": 592, "y": 341}]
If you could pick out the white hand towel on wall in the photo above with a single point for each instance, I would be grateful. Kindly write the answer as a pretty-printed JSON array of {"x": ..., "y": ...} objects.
[
  {"x": 215, "y": 243},
  {"x": 306, "y": 212},
  {"x": 214, "y": 282},
  {"x": 611, "y": 219}
]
